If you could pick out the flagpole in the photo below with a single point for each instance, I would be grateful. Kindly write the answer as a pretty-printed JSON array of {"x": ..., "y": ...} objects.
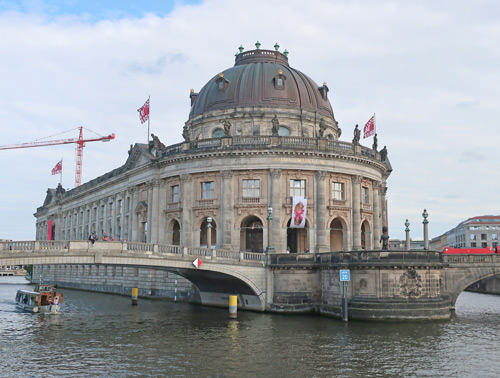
[
  {"x": 60, "y": 178},
  {"x": 149, "y": 114},
  {"x": 374, "y": 123}
]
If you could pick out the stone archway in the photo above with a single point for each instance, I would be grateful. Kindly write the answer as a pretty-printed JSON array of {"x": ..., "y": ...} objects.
[
  {"x": 174, "y": 232},
  {"x": 251, "y": 235},
  {"x": 337, "y": 232},
  {"x": 366, "y": 235},
  {"x": 203, "y": 234}
]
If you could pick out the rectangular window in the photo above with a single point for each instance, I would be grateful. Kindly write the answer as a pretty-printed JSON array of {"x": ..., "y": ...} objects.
[
  {"x": 338, "y": 191},
  {"x": 365, "y": 195},
  {"x": 207, "y": 190},
  {"x": 494, "y": 236},
  {"x": 175, "y": 193},
  {"x": 473, "y": 244},
  {"x": 297, "y": 188},
  {"x": 483, "y": 237},
  {"x": 484, "y": 244},
  {"x": 472, "y": 236},
  {"x": 251, "y": 188}
]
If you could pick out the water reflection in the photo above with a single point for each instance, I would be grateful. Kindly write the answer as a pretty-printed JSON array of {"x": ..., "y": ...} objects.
[{"x": 102, "y": 335}]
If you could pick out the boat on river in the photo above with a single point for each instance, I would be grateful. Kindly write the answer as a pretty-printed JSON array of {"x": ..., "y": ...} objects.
[{"x": 43, "y": 299}]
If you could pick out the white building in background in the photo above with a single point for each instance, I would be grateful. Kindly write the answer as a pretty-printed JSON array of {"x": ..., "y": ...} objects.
[{"x": 476, "y": 232}]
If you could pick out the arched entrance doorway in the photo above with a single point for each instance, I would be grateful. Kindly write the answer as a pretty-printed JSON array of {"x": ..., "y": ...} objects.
[
  {"x": 336, "y": 235},
  {"x": 251, "y": 235},
  {"x": 174, "y": 232},
  {"x": 296, "y": 238},
  {"x": 203, "y": 234},
  {"x": 365, "y": 235}
]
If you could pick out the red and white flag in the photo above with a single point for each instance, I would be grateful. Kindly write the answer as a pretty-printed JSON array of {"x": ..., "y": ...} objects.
[
  {"x": 57, "y": 169},
  {"x": 144, "y": 112},
  {"x": 369, "y": 128}
]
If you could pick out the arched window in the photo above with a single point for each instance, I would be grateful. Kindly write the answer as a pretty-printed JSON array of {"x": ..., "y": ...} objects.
[
  {"x": 218, "y": 133},
  {"x": 284, "y": 131}
]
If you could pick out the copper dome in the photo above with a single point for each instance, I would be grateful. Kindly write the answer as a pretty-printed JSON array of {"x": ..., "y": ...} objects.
[{"x": 261, "y": 78}]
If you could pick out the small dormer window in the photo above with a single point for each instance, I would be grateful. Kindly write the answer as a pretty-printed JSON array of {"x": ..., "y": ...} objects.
[
  {"x": 221, "y": 82},
  {"x": 279, "y": 80}
]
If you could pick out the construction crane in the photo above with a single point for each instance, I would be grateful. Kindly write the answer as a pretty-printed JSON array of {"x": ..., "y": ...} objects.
[{"x": 79, "y": 149}]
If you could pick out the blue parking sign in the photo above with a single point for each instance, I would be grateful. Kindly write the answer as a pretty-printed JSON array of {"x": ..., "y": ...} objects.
[{"x": 345, "y": 275}]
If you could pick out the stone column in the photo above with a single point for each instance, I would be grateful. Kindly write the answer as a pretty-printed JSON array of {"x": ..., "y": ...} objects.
[
  {"x": 112, "y": 209},
  {"x": 377, "y": 217},
  {"x": 133, "y": 226},
  {"x": 121, "y": 210},
  {"x": 226, "y": 203},
  {"x": 356, "y": 213},
  {"x": 320, "y": 210},
  {"x": 384, "y": 208},
  {"x": 154, "y": 211},
  {"x": 187, "y": 205},
  {"x": 149, "y": 218},
  {"x": 162, "y": 201},
  {"x": 277, "y": 239}
]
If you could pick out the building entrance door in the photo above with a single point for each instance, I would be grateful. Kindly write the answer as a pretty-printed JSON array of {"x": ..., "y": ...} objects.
[{"x": 296, "y": 239}]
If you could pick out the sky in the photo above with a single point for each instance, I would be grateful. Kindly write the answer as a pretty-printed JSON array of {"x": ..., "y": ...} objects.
[{"x": 429, "y": 70}]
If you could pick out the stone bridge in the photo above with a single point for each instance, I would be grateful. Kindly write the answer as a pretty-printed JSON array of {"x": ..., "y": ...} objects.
[{"x": 384, "y": 284}]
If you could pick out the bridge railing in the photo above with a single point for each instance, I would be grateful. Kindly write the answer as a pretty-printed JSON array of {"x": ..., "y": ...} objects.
[
  {"x": 471, "y": 259},
  {"x": 129, "y": 247},
  {"x": 356, "y": 257}
]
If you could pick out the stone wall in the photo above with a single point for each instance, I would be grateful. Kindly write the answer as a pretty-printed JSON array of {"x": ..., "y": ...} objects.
[{"x": 152, "y": 283}]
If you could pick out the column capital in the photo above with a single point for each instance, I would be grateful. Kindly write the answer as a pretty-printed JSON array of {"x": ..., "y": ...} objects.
[
  {"x": 186, "y": 177},
  {"x": 275, "y": 173},
  {"x": 356, "y": 180},
  {"x": 320, "y": 175},
  {"x": 226, "y": 174}
]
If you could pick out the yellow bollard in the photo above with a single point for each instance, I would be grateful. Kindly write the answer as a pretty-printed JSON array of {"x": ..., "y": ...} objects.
[
  {"x": 233, "y": 306},
  {"x": 135, "y": 293}
]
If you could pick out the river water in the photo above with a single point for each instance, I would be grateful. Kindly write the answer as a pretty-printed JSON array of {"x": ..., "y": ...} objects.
[{"x": 103, "y": 335}]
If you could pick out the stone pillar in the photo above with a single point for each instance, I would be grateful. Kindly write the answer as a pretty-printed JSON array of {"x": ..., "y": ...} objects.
[
  {"x": 278, "y": 238},
  {"x": 153, "y": 211},
  {"x": 377, "y": 216},
  {"x": 151, "y": 206},
  {"x": 162, "y": 201},
  {"x": 187, "y": 205},
  {"x": 226, "y": 203},
  {"x": 104, "y": 216},
  {"x": 133, "y": 216},
  {"x": 320, "y": 211},
  {"x": 384, "y": 207},
  {"x": 356, "y": 213},
  {"x": 112, "y": 209},
  {"x": 121, "y": 210}
]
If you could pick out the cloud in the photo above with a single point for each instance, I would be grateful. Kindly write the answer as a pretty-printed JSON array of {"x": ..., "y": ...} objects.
[{"x": 429, "y": 70}]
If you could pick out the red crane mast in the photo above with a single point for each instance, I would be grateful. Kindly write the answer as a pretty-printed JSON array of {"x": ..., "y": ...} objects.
[{"x": 80, "y": 143}]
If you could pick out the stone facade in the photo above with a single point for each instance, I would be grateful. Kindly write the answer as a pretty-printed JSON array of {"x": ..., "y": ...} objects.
[{"x": 253, "y": 140}]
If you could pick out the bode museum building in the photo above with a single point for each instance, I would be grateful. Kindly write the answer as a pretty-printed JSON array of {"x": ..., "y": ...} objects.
[{"x": 261, "y": 145}]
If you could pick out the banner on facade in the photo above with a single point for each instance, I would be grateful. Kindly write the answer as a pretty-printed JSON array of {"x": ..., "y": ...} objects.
[{"x": 299, "y": 211}]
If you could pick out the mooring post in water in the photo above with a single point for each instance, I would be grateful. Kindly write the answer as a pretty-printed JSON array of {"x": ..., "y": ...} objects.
[
  {"x": 135, "y": 293},
  {"x": 233, "y": 306},
  {"x": 175, "y": 289},
  {"x": 345, "y": 314}
]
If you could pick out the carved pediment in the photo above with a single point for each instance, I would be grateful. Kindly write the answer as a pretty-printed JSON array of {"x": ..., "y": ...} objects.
[{"x": 138, "y": 156}]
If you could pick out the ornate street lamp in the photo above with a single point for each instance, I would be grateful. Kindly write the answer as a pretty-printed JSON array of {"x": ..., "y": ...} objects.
[
  {"x": 407, "y": 230},
  {"x": 425, "y": 222},
  {"x": 209, "y": 232},
  {"x": 270, "y": 248}
]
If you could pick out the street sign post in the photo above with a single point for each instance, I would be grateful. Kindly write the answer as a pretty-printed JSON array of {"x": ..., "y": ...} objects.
[{"x": 345, "y": 276}]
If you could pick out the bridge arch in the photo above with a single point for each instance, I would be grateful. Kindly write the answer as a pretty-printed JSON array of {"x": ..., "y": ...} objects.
[{"x": 467, "y": 277}]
